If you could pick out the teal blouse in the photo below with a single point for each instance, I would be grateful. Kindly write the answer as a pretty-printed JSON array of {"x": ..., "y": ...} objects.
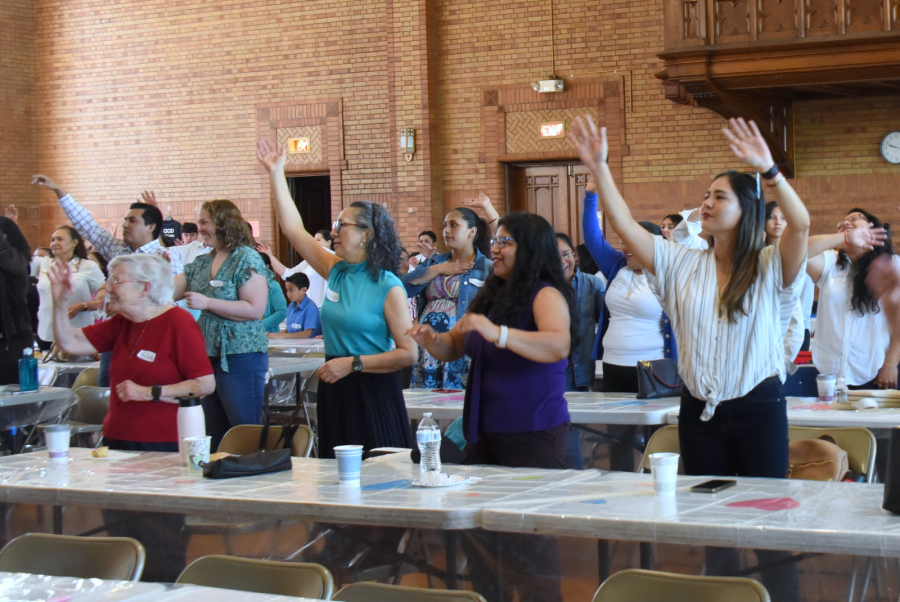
[
  {"x": 276, "y": 309},
  {"x": 224, "y": 336},
  {"x": 353, "y": 311}
]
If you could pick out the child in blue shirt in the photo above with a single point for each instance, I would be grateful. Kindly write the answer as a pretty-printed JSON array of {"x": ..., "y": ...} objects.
[{"x": 302, "y": 314}]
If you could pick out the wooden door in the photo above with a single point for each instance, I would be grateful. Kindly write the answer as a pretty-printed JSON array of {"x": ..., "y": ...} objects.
[{"x": 555, "y": 192}]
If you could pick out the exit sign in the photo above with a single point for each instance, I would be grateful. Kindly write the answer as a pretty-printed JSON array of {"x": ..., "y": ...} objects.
[
  {"x": 298, "y": 145},
  {"x": 557, "y": 129}
]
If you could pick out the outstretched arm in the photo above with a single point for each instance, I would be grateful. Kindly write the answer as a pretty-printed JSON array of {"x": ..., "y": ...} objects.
[
  {"x": 491, "y": 215},
  {"x": 291, "y": 223},
  {"x": 593, "y": 148},
  {"x": 749, "y": 146},
  {"x": 604, "y": 254}
]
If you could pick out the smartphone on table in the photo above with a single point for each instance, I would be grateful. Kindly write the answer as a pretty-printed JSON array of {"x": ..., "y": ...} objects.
[{"x": 713, "y": 486}]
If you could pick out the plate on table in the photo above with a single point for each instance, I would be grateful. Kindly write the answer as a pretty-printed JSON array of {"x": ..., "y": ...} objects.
[{"x": 449, "y": 481}]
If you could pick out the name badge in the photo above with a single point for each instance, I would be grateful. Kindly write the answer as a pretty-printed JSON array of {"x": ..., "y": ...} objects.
[
  {"x": 618, "y": 284},
  {"x": 476, "y": 282},
  {"x": 331, "y": 295},
  {"x": 297, "y": 326},
  {"x": 147, "y": 356},
  {"x": 216, "y": 283}
]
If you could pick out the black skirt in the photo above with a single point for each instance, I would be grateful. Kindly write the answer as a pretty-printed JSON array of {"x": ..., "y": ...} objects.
[{"x": 362, "y": 409}]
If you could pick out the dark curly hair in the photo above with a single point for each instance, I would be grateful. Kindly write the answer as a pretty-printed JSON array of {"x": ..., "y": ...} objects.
[
  {"x": 482, "y": 240},
  {"x": 537, "y": 260},
  {"x": 383, "y": 247},
  {"x": 862, "y": 300},
  {"x": 231, "y": 229}
]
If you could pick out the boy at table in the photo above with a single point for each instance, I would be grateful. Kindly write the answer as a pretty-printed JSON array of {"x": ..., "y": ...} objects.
[{"x": 302, "y": 320}]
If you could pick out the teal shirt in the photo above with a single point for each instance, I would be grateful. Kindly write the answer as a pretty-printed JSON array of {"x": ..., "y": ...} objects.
[
  {"x": 353, "y": 311},
  {"x": 276, "y": 309},
  {"x": 224, "y": 336}
]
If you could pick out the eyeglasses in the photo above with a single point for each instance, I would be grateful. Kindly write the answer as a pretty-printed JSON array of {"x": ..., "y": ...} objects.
[
  {"x": 852, "y": 219},
  {"x": 115, "y": 281},
  {"x": 565, "y": 254},
  {"x": 503, "y": 241},
  {"x": 338, "y": 225}
]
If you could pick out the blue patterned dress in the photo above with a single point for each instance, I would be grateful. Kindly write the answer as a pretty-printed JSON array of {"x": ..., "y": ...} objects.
[{"x": 440, "y": 313}]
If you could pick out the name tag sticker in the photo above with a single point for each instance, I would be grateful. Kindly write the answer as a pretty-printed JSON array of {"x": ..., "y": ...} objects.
[
  {"x": 216, "y": 283},
  {"x": 476, "y": 282},
  {"x": 618, "y": 284},
  {"x": 147, "y": 356},
  {"x": 331, "y": 295},
  {"x": 297, "y": 326}
]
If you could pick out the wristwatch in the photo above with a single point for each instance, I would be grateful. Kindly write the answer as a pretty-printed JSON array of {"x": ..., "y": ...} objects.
[
  {"x": 357, "y": 364},
  {"x": 156, "y": 391}
]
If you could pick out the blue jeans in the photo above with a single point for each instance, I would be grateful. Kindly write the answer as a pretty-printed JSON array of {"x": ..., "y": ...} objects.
[
  {"x": 239, "y": 393},
  {"x": 746, "y": 437}
]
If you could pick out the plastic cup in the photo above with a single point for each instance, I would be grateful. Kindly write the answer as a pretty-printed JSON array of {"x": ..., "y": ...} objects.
[
  {"x": 349, "y": 458},
  {"x": 825, "y": 383},
  {"x": 58, "y": 436},
  {"x": 197, "y": 451},
  {"x": 664, "y": 466}
]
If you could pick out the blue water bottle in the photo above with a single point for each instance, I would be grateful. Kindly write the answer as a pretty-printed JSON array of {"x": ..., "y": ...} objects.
[{"x": 28, "y": 371}]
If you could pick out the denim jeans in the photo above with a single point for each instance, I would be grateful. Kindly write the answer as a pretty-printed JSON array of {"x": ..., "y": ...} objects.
[
  {"x": 239, "y": 393},
  {"x": 746, "y": 437}
]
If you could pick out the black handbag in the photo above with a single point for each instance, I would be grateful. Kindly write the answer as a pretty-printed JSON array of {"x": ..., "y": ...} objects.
[
  {"x": 248, "y": 465},
  {"x": 658, "y": 378}
]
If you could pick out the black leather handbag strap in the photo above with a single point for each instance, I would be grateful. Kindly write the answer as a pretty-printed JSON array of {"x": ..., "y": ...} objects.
[{"x": 290, "y": 428}]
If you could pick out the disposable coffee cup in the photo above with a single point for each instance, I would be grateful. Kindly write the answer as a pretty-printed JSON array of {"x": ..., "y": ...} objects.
[
  {"x": 197, "y": 451},
  {"x": 349, "y": 459},
  {"x": 664, "y": 466},
  {"x": 58, "y": 436},
  {"x": 825, "y": 383}
]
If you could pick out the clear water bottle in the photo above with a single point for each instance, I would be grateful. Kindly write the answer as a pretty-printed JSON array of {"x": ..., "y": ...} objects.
[
  {"x": 28, "y": 371},
  {"x": 841, "y": 395},
  {"x": 429, "y": 439}
]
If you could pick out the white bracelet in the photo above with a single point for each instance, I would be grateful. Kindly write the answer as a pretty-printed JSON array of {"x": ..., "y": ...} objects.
[{"x": 501, "y": 342}]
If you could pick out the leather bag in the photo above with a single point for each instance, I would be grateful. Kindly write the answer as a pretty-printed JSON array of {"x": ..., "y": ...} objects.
[
  {"x": 817, "y": 460},
  {"x": 658, "y": 378},
  {"x": 248, "y": 465}
]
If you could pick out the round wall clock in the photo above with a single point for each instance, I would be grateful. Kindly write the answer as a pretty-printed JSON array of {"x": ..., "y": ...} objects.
[{"x": 890, "y": 148}]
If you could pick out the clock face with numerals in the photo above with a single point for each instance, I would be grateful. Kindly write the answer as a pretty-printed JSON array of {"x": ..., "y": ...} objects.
[{"x": 890, "y": 148}]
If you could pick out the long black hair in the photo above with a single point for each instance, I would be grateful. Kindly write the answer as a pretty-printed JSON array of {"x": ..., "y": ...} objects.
[
  {"x": 862, "y": 300},
  {"x": 14, "y": 237},
  {"x": 537, "y": 260},
  {"x": 383, "y": 247},
  {"x": 750, "y": 242},
  {"x": 482, "y": 241}
]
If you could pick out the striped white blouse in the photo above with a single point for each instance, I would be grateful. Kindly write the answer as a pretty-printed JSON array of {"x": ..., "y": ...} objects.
[{"x": 717, "y": 359}]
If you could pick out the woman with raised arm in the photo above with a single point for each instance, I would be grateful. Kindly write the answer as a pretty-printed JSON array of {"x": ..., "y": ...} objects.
[
  {"x": 365, "y": 319},
  {"x": 228, "y": 286},
  {"x": 729, "y": 306},
  {"x": 518, "y": 332},
  {"x": 853, "y": 338},
  {"x": 444, "y": 284}
]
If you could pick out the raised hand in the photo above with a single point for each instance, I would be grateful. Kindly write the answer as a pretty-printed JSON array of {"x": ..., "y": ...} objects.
[
  {"x": 269, "y": 155},
  {"x": 149, "y": 197},
  {"x": 591, "y": 186},
  {"x": 423, "y": 334},
  {"x": 47, "y": 182},
  {"x": 482, "y": 201},
  {"x": 264, "y": 249},
  {"x": 864, "y": 239},
  {"x": 425, "y": 249},
  {"x": 748, "y": 145},
  {"x": 60, "y": 276},
  {"x": 589, "y": 142},
  {"x": 12, "y": 212}
]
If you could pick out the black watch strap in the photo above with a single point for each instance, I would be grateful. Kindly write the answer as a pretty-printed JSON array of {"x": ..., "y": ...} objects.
[
  {"x": 156, "y": 391},
  {"x": 357, "y": 364},
  {"x": 768, "y": 175}
]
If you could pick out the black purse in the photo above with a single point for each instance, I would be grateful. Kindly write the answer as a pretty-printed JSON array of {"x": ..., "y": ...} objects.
[
  {"x": 248, "y": 465},
  {"x": 658, "y": 378}
]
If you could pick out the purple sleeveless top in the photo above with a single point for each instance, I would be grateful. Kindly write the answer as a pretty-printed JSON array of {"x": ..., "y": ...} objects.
[{"x": 507, "y": 393}]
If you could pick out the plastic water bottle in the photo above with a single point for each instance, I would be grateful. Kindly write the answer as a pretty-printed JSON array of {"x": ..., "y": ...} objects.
[
  {"x": 191, "y": 422},
  {"x": 28, "y": 371},
  {"x": 429, "y": 439},
  {"x": 841, "y": 396}
]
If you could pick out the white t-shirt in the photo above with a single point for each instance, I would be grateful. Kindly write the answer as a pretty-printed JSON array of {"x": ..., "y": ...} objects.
[
  {"x": 189, "y": 252},
  {"x": 846, "y": 342},
  {"x": 721, "y": 360},
  {"x": 634, "y": 332},
  {"x": 86, "y": 281}
]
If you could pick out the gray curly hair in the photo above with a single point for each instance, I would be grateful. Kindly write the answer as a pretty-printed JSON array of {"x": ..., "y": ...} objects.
[{"x": 152, "y": 269}]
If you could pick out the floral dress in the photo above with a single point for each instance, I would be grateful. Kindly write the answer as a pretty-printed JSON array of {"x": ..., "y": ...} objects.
[{"x": 440, "y": 313}]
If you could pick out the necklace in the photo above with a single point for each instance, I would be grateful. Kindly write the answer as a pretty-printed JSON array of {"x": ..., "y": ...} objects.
[
  {"x": 134, "y": 347},
  {"x": 631, "y": 285}
]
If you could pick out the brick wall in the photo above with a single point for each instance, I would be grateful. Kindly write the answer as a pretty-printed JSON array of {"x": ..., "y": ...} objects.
[
  {"x": 151, "y": 94},
  {"x": 18, "y": 142}
]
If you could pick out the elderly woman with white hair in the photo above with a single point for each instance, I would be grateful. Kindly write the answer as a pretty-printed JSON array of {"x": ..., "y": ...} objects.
[{"x": 158, "y": 350}]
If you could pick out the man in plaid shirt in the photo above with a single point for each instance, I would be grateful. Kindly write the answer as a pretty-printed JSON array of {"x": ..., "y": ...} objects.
[{"x": 140, "y": 230}]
